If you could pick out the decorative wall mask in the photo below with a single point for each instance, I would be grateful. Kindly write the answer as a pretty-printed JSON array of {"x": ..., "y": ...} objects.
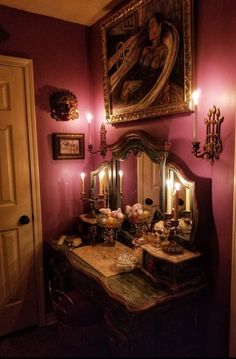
[{"x": 63, "y": 105}]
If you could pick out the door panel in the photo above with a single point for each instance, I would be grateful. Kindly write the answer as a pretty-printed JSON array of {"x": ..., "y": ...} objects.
[
  {"x": 7, "y": 189},
  {"x": 18, "y": 294}
]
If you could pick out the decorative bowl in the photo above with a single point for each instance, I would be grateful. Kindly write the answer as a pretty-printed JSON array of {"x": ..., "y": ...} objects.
[
  {"x": 126, "y": 262},
  {"x": 109, "y": 222},
  {"x": 142, "y": 218}
]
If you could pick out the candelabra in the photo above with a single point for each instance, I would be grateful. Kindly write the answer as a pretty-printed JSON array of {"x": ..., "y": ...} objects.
[
  {"x": 103, "y": 144},
  {"x": 213, "y": 144},
  {"x": 92, "y": 204},
  {"x": 171, "y": 246}
]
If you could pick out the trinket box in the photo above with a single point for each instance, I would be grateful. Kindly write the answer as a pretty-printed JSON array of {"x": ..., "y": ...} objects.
[{"x": 177, "y": 271}]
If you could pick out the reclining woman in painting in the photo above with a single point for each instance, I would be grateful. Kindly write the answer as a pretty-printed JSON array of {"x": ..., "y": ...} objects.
[
  {"x": 136, "y": 87},
  {"x": 150, "y": 65}
]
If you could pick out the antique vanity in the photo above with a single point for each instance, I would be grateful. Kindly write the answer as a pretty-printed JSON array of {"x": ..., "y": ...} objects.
[{"x": 154, "y": 307}]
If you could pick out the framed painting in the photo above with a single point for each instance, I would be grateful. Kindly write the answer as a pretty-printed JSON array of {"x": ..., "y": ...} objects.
[
  {"x": 147, "y": 60},
  {"x": 68, "y": 146}
]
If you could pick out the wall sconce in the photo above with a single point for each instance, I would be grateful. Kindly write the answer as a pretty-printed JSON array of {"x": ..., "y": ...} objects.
[
  {"x": 63, "y": 105},
  {"x": 103, "y": 144},
  {"x": 213, "y": 144}
]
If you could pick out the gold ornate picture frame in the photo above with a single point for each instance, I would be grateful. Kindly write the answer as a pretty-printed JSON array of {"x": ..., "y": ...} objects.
[
  {"x": 68, "y": 146},
  {"x": 147, "y": 60}
]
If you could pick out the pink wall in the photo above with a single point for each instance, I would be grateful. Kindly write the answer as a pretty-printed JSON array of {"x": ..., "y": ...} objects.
[
  {"x": 61, "y": 60},
  {"x": 215, "y": 74}
]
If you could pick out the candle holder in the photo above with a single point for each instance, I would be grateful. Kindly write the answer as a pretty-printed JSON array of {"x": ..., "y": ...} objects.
[
  {"x": 170, "y": 245},
  {"x": 109, "y": 228},
  {"x": 103, "y": 144},
  {"x": 92, "y": 204},
  {"x": 168, "y": 216},
  {"x": 139, "y": 223},
  {"x": 213, "y": 144}
]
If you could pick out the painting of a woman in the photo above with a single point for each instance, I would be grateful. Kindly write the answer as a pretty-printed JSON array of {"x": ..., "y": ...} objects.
[
  {"x": 145, "y": 70},
  {"x": 146, "y": 74},
  {"x": 150, "y": 65}
]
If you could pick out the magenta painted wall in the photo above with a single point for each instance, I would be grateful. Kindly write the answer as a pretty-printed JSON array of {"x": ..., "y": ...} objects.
[
  {"x": 215, "y": 74},
  {"x": 60, "y": 60},
  {"x": 68, "y": 56}
]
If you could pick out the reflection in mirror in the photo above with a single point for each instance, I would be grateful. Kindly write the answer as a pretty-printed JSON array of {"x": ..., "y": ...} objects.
[
  {"x": 149, "y": 179},
  {"x": 128, "y": 183},
  {"x": 181, "y": 204},
  {"x": 128, "y": 154},
  {"x": 100, "y": 185},
  {"x": 140, "y": 181}
]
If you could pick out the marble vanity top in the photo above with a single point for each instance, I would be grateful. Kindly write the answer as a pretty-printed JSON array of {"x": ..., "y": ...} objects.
[
  {"x": 135, "y": 290},
  {"x": 102, "y": 258}
]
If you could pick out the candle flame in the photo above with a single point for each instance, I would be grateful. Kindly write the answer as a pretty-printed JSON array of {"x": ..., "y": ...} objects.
[
  {"x": 195, "y": 96},
  {"x": 89, "y": 117}
]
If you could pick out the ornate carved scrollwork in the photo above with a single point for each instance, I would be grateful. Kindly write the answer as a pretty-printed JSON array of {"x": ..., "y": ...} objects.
[{"x": 63, "y": 105}]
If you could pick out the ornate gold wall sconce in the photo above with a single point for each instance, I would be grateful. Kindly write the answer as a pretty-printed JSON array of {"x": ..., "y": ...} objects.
[
  {"x": 63, "y": 105},
  {"x": 213, "y": 144},
  {"x": 103, "y": 144}
]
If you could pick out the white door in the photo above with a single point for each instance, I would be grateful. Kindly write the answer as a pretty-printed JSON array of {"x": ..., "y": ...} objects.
[{"x": 21, "y": 295}]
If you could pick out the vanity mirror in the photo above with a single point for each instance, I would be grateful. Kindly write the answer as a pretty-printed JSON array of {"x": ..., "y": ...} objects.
[
  {"x": 140, "y": 173},
  {"x": 149, "y": 179},
  {"x": 158, "y": 207}
]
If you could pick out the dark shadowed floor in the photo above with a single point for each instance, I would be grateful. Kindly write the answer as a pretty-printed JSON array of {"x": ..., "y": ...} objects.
[{"x": 45, "y": 342}]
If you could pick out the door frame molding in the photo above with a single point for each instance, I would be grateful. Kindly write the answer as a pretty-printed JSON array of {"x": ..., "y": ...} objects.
[{"x": 27, "y": 67}]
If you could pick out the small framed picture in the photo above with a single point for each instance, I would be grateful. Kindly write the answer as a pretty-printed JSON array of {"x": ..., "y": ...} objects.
[{"x": 68, "y": 146}]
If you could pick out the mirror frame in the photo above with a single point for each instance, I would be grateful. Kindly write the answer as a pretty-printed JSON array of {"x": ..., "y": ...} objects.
[
  {"x": 94, "y": 175},
  {"x": 137, "y": 141},
  {"x": 191, "y": 244}
]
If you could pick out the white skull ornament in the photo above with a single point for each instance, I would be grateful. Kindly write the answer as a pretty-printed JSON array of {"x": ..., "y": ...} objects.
[{"x": 160, "y": 230}]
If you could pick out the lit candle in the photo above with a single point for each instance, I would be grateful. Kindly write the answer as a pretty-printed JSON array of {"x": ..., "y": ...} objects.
[
  {"x": 195, "y": 98},
  {"x": 169, "y": 183},
  {"x": 82, "y": 175},
  {"x": 176, "y": 201},
  {"x": 121, "y": 182},
  {"x": 101, "y": 175},
  {"x": 187, "y": 200},
  {"x": 89, "y": 119}
]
